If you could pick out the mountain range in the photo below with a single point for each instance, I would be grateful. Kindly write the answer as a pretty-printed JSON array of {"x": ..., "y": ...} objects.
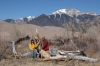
[{"x": 58, "y": 18}]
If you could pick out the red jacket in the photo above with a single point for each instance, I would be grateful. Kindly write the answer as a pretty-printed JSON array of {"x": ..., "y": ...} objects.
[{"x": 45, "y": 45}]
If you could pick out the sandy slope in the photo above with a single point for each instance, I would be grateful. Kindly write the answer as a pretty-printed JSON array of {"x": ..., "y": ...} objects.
[{"x": 12, "y": 31}]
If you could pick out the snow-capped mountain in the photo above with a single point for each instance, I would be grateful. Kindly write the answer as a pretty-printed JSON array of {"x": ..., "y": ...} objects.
[
  {"x": 71, "y": 12},
  {"x": 28, "y": 18},
  {"x": 58, "y": 18},
  {"x": 20, "y": 20}
]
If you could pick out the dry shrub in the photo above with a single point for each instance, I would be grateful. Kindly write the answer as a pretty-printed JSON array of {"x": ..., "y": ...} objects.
[
  {"x": 93, "y": 37},
  {"x": 4, "y": 46},
  {"x": 92, "y": 49},
  {"x": 61, "y": 43},
  {"x": 6, "y": 49},
  {"x": 68, "y": 47},
  {"x": 89, "y": 48},
  {"x": 81, "y": 45},
  {"x": 57, "y": 40},
  {"x": 23, "y": 47}
]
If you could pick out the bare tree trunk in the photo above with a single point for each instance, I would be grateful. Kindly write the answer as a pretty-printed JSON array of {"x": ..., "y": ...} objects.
[
  {"x": 14, "y": 50},
  {"x": 62, "y": 55},
  {"x": 84, "y": 58},
  {"x": 58, "y": 57},
  {"x": 73, "y": 56}
]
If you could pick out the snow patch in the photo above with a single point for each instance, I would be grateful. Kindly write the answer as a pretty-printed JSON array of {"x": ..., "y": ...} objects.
[
  {"x": 21, "y": 18},
  {"x": 71, "y": 12},
  {"x": 30, "y": 18}
]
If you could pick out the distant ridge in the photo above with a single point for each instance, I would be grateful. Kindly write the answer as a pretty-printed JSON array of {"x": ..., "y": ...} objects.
[{"x": 58, "y": 18}]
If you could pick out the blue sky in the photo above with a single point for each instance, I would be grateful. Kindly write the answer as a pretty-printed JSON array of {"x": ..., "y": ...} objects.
[{"x": 22, "y": 8}]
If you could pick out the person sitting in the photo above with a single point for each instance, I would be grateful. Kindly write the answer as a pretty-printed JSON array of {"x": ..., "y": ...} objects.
[
  {"x": 45, "y": 44},
  {"x": 37, "y": 41},
  {"x": 32, "y": 47}
]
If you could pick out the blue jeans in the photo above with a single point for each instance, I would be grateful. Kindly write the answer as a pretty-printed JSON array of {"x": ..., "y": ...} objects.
[{"x": 34, "y": 53}]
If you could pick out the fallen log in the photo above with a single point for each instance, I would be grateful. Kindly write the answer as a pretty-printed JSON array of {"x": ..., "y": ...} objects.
[
  {"x": 15, "y": 54},
  {"x": 73, "y": 56},
  {"x": 62, "y": 52},
  {"x": 14, "y": 50},
  {"x": 72, "y": 51},
  {"x": 84, "y": 58},
  {"x": 58, "y": 57},
  {"x": 26, "y": 54},
  {"x": 64, "y": 55}
]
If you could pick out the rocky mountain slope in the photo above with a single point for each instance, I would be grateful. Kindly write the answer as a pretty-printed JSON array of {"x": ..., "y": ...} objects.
[{"x": 58, "y": 18}]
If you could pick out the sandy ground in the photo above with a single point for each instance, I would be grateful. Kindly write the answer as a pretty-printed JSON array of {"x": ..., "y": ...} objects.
[
  {"x": 10, "y": 31},
  {"x": 32, "y": 62}
]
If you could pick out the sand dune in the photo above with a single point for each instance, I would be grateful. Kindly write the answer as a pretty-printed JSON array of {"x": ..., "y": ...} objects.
[{"x": 13, "y": 31}]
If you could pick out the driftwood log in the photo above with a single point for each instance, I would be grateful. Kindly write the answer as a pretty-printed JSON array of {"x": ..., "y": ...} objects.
[
  {"x": 62, "y": 55},
  {"x": 22, "y": 39},
  {"x": 14, "y": 50},
  {"x": 15, "y": 53},
  {"x": 74, "y": 56}
]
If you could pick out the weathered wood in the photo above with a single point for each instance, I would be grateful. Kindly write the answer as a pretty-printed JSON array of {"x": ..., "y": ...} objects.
[
  {"x": 14, "y": 50},
  {"x": 73, "y": 56},
  {"x": 84, "y": 58},
  {"x": 22, "y": 39},
  {"x": 15, "y": 54},
  {"x": 61, "y": 55},
  {"x": 26, "y": 54},
  {"x": 77, "y": 51},
  {"x": 58, "y": 57},
  {"x": 62, "y": 52},
  {"x": 72, "y": 42}
]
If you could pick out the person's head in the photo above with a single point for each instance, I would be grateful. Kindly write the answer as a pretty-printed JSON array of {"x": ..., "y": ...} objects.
[
  {"x": 43, "y": 37},
  {"x": 32, "y": 41}
]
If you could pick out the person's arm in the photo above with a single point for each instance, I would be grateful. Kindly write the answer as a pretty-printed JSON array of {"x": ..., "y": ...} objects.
[
  {"x": 36, "y": 45},
  {"x": 38, "y": 42},
  {"x": 45, "y": 44}
]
